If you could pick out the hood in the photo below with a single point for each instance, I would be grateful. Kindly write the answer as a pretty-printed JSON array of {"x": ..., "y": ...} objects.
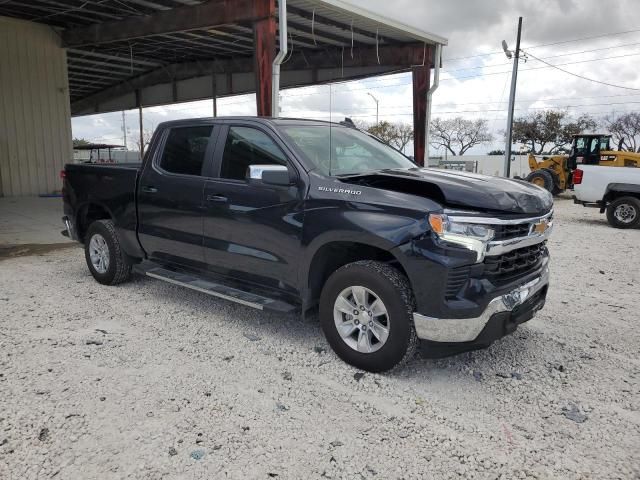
[{"x": 456, "y": 189}]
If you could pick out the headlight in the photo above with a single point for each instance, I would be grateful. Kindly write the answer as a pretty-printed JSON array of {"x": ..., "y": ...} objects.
[{"x": 468, "y": 235}]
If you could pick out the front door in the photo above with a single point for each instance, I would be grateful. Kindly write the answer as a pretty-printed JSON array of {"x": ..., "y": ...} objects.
[
  {"x": 252, "y": 231},
  {"x": 170, "y": 202}
]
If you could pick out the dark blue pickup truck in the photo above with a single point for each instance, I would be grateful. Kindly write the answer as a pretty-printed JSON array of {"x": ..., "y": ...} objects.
[{"x": 290, "y": 215}]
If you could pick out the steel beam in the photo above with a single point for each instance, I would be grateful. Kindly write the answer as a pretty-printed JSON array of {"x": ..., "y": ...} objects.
[
  {"x": 421, "y": 77},
  {"x": 209, "y": 14},
  {"x": 391, "y": 57},
  {"x": 88, "y": 53},
  {"x": 83, "y": 68},
  {"x": 264, "y": 37}
]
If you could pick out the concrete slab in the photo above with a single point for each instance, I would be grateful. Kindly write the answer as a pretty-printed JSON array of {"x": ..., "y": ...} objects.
[{"x": 31, "y": 220}]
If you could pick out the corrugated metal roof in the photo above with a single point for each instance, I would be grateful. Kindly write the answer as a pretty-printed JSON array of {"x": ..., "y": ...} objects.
[
  {"x": 364, "y": 19},
  {"x": 313, "y": 25}
]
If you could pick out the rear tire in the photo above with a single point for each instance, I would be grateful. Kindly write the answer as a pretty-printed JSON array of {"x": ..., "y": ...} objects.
[
  {"x": 542, "y": 178},
  {"x": 624, "y": 212},
  {"x": 381, "y": 341},
  {"x": 107, "y": 262}
]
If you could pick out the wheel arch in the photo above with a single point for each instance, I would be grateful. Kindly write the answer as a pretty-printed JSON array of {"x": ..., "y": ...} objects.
[
  {"x": 330, "y": 256},
  {"x": 617, "y": 190},
  {"x": 88, "y": 213}
]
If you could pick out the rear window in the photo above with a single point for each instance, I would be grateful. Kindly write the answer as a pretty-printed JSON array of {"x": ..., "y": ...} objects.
[{"x": 185, "y": 149}]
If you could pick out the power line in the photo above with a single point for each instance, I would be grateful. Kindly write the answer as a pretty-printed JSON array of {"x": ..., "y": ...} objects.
[
  {"x": 583, "y": 77},
  {"x": 500, "y": 52},
  {"x": 401, "y": 84},
  {"x": 586, "y": 38},
  {"x": 501, "y": 110}
]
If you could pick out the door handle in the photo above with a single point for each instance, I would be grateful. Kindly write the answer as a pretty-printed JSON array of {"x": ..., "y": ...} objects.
[
  {"x": 149, "y": 189},
  {"x": 216, "y": 198}
]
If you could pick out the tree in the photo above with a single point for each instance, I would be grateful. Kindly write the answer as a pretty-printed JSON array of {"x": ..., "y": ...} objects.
[
  {"x": 146, "y": 140},
  {"x": 405, "y": 135},
  {"x": 397, "y": 135},
  {"x": 496, "y": 152},
  {"x": 384, "y": 130},
  {"x": 80, "y": 142},
  {"x": 458, "y": 135},
  {"x": 549, "y": 131},
  {"x": 625, "y": 131}
]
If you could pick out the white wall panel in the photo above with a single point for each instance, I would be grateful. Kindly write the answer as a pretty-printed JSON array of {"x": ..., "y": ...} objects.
[{"x": 35, "y": 117}]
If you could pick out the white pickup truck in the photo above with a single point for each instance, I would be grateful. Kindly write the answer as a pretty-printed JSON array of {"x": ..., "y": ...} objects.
[{"x": 615, "y": 190}]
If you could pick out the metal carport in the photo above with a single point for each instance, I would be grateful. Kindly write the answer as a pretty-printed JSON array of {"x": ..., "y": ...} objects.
[{"x": 138, "y": 53}]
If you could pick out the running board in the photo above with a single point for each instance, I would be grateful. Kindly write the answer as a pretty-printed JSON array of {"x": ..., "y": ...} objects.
[{"x": 209, "y": 287}]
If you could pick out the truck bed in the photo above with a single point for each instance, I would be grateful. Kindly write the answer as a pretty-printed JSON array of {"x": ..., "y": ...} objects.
[{"x": 111, "y": 187}]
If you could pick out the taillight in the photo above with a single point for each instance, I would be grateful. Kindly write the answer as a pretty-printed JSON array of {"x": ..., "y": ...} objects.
[
  {"x": 577, "y": 176},
  {"x": 63, "y": 174}
]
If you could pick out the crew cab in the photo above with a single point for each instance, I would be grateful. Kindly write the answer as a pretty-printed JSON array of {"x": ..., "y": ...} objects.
[
  {"x": 612, "y": 190},
  {"x": 291, "y": 215}
]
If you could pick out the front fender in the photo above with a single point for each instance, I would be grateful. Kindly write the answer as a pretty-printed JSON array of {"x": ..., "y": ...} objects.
[{"x": 356, "y": 223}]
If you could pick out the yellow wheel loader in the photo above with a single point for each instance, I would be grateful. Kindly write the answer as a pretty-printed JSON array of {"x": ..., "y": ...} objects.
[{"x": 554, "y": 172}]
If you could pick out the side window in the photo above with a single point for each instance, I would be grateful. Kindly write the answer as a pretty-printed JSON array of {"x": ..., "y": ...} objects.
[
  {"x": 248, "y": 146},
  {"x": 185, "y": 149}
]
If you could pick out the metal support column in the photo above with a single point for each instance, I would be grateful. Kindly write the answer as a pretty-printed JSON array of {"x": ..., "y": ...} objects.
[
  {"x": 421, "y": 80},
  {"x": 264, "y": 38}
]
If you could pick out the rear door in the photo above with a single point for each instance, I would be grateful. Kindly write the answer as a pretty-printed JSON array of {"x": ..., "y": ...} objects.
[
  {"x": 252, "y": 231},
  {"x": 170, "y": 195}
]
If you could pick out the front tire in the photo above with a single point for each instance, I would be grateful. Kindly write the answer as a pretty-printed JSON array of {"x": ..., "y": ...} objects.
[
  {"x": 366, "y": 313},
  {"x": 107, "y": 262},
  {"x": 624, "y": 212}
]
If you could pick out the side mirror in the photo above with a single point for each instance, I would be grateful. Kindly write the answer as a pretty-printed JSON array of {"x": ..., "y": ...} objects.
[{"x": 269, "y": 175}]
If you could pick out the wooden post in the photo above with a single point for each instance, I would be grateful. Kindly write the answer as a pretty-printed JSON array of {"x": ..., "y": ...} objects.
[
  {"x": 421, "y": 78},
  {"x": 264, "y": 37}
]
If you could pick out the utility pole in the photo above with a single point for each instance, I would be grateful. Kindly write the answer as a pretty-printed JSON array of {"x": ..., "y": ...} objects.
[
  {"x": 512, "y": 98},
  {"x": 377, "y": 106},
  {"x": 124, "y": 130}
]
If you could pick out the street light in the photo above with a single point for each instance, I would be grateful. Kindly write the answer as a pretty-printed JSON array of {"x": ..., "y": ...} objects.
[{"x": 377, "y": 105}]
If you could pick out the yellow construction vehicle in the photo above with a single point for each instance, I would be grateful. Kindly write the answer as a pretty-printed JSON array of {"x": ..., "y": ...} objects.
[{"x": 554, "y": 172}]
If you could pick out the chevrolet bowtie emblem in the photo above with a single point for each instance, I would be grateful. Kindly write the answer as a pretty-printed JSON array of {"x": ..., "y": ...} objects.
[{"x": 540, "y": 227}]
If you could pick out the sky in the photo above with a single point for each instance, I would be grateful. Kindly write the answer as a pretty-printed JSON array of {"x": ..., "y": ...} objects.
[{"x": 598, "y": 39}]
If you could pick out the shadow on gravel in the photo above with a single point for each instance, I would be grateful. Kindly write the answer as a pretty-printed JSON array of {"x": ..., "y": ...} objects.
[
  {"x": 12, "y": 251},
  {"x": 600, "y": 222},
  {"x": 291, "y": 329}
]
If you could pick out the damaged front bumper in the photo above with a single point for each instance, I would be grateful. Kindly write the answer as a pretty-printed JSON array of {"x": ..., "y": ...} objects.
[{"x": 501, "y": 316}]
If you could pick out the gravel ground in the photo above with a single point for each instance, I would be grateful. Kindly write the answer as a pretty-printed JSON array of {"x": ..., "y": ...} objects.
[{"x": 149, "y": 380}]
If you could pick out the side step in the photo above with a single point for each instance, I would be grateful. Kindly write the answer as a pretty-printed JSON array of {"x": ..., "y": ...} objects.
[{"x": 194, "y": 282}]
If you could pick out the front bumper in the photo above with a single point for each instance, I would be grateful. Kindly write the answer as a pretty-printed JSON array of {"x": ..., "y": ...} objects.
[{"x": 528, "y": 298}]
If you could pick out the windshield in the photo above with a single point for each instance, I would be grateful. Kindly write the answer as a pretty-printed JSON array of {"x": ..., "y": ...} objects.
[{"x": 336, "y": 150}]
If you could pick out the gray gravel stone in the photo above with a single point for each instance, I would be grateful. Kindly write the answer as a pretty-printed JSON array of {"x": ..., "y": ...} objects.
[
  {"x": 166, "y": 347},
  {"x": 572, "y": 412}
]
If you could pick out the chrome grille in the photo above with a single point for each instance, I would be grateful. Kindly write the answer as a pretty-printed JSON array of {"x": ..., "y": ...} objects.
[{"x": 507, "y": 232}]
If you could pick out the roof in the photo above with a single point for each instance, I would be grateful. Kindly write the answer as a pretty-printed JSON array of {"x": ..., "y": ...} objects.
[
  {"x": 591, "y": 135},
  {"x": 364, "y": 19},
  {"x": 245, "y": 118},
  {"x": 96, "y": 146},
  {"x": 332, "y": 29}
]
